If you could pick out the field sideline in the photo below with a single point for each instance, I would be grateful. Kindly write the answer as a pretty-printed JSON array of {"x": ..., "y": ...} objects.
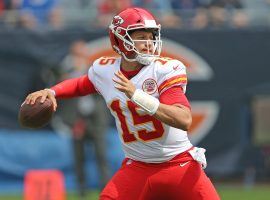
[{"x": 227, "y": 192}]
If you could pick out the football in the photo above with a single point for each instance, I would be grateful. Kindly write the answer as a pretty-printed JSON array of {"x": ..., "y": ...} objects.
[{"x": 37, "y": 115}]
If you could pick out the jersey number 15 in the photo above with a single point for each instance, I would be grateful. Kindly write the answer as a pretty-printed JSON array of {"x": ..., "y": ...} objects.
[{"x": 138, "y": 119}]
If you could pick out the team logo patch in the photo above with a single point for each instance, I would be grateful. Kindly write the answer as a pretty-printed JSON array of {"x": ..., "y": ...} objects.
[{"x": 149, "y": 86}]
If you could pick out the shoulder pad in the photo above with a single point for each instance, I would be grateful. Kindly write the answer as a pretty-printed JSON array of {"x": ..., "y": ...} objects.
[
  {"x": 105, "y": 61},
  {"x": 166, "y": 65}
]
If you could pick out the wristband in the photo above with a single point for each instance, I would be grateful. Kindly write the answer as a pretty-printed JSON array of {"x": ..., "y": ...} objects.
[{"x": 145, "y": 101}]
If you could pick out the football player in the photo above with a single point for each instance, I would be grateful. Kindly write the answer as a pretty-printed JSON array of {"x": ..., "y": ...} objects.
[{"x": 146, "y": 95}]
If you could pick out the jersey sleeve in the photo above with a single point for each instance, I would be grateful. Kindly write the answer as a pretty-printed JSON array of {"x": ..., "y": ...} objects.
[
  {"x": 74, "y": 87},
  {"x": 171, "y": 74},
  {"x": 174, "y": 96}
]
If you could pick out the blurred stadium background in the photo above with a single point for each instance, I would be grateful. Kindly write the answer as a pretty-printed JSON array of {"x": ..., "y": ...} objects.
[{"x": 225, "y": 45}]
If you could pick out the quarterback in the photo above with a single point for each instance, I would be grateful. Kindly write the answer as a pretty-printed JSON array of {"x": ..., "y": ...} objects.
[{"x": 146, "y": 95}]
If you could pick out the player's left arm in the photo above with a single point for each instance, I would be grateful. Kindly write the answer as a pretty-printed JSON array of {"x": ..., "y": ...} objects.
[
  {"x": 172, "y": 108},
  {"x": 177, "y": 116}
]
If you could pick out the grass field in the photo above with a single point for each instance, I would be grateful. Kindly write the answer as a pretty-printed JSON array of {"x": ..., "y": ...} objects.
[
  {"x": 236, "y": 192},
  {"x": 227, "y": 192}
]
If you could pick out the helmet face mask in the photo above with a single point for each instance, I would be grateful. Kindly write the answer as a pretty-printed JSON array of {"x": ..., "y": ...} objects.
[{"x": 124, "y": 24}]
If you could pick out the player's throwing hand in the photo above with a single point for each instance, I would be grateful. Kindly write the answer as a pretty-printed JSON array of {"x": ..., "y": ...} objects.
[{"x": 46, "y": 93}]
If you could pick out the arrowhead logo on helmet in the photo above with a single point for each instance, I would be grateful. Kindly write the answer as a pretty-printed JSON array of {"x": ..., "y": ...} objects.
[{"x": 117, "y": 20}]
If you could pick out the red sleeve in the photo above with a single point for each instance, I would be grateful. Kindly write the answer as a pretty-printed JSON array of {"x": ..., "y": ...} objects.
[
  {"x": 174, "y": 95},
  {"x": 74, "y": 87}
]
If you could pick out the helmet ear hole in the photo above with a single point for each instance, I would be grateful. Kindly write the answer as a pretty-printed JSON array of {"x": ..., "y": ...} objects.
[{"x": 130, "y": 33}]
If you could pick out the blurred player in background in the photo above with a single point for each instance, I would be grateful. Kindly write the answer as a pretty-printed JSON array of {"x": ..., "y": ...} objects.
[
  {"x": 146, "y": 95},
  {"x": 86, "y": 117}
]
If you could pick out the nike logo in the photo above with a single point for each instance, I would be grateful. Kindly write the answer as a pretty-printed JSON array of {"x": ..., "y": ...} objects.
[
  {"x": 175, "y": 67},
  {"x": 183, "y": 164}
]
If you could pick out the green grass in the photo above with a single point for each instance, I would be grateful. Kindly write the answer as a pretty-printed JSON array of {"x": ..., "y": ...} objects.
[
  {"x": 227, "y": 192},
  {"x": 236, "y": 192},
  {"x": 71, "y": 196}
]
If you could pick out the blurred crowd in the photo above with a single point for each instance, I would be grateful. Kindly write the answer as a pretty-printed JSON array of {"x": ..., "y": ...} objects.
[{"x": 186, "y": 14}]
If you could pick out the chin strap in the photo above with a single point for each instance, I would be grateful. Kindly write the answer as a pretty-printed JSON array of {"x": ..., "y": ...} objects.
[{"x": 144, "y": 60}]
